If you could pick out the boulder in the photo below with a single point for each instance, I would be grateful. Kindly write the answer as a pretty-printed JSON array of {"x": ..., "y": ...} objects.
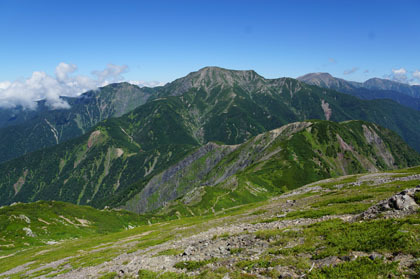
[{"x": 399, "y": 204}]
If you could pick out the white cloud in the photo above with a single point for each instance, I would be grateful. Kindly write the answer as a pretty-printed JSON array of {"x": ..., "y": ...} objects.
[
  {"x": 403, "y": 76},
  {"x": 63, "y": 70},
  {"x": 112, "y": 73},
  {"x": 416, "y": 74},
  {"x": 5, "y": 84},
  {"x": 141, "y": 83},
  {"x": 25, "y": 92},
  {"x": 400, "y": 71},
  {"x": 350, "y": 71},
  {"x": 399, "y": 75},
  {"x": 40, "y": 86}
]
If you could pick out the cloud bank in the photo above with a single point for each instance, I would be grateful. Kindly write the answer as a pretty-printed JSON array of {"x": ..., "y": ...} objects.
[
  {"x": 40, "y": 86},
  {"x": 141, "y": 83},
  {"x": 404, "y": 76},
  {"x": 416, "y": 75},
  {"x": 399, "y": 75}
]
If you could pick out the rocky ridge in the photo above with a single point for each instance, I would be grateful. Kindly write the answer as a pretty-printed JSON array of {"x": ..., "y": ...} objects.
[{"x": 236, "y": 168}]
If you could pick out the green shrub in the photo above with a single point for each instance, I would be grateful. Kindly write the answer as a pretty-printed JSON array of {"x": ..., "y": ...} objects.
[
  {"x": 417, "y": 197},
  {"x": 146, "y": 274},
  {"x": 250, "y": 264},
  {"x": 193, "y": 265},
  {"x": 379, "y": 235},
  {"x": 360, "y": 268},
  {"x": 259, "y": 212},
  {"x": 334, "y": 209},
  {"x": 342, "y": 200},
  {"x": 236, "y": 250},
  {"x": 169, "y": 252},
  {"x": 110, "y": 275}
]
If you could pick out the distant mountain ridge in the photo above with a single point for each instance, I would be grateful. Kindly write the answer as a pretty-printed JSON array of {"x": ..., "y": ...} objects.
[
  {"x": 118, "y": 157},
  {"x": 24, "y": 131},
  {"x": 31, "y": 130},
  {"x": 327, "y": 80},
  {"x": 374, "y": 88},
  {"x": 386, "y": 84}
]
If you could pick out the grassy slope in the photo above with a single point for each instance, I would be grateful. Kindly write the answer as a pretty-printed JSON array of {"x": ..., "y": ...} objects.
[
  {"x": 293, "y": 248},
  {"x": 35, "y": 224},
  {"x": 288, "y": 161}
]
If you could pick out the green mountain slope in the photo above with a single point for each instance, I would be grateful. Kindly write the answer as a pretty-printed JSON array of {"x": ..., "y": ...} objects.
[
  {"x": 246, "y": 104},
  {"x": 33, "y": 130},
  {"x": 231, "y": 106},
  {"x": 116, "y": 159},
  {"x": 218, "y": 177},
  {"x": 103, "y": 166},
  {"x": 42, "y": 223}
]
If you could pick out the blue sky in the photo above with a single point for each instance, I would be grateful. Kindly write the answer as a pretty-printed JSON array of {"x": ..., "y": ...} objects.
[{"x": 164, "y": 40}]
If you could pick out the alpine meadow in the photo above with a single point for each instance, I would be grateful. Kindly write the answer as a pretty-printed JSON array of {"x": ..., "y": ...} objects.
[{"x": 298, "y": 156}]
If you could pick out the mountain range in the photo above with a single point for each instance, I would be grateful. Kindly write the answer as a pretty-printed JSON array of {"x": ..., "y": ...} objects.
[
  {"x": 24, "y": 130},
  {"x": 218, "y": 174},
  {"x": 374, "y": 88},
  {"x": 115, "y": 162}
]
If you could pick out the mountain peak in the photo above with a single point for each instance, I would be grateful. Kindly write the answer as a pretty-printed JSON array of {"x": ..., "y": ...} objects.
[
  {"x": 326, "y": 80},
  {"x": 318, "y": 78},
  {"x": 316, "y": 75},
  {"x": 212, "y": 77},
  {"x": 216, "y": 69},
  {"x": 227, "y": 75}
]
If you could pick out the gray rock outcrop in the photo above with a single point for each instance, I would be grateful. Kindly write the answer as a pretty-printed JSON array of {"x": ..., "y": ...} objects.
[{"x": 398, "y": 205}]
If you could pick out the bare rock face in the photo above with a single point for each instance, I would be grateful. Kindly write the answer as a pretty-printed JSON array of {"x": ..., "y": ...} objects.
[
  {"x": 398, "y": 205},
  {"x": 403, "y": 202}
]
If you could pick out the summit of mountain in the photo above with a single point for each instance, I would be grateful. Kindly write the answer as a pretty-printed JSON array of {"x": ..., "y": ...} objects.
[
  {"x": 209, "y": 78},
  {"x": 326, "y": 80}
]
